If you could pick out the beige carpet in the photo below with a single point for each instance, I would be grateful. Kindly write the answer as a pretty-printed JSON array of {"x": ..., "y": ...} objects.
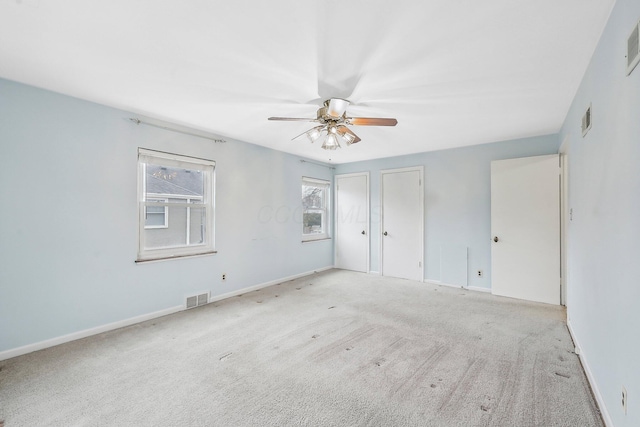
[{"x": 335, "y": 349}]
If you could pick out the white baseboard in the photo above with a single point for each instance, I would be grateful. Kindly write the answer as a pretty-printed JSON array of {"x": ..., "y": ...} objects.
[
  {"x": 469, "y": 288},
  {"x": 594, "y": 386},
  {"x": 265, "y": 284},
  {"x": 439, "y": 283},
  {"x": 29, "y": 348}
]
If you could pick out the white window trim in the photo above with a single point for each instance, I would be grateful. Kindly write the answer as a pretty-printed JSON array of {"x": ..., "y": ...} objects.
[
  {"x": 209, "y": 195},
  {"x": 325, "y": 210}
]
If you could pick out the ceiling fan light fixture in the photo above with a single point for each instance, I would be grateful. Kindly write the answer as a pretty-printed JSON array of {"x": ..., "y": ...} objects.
[
  {"x": 337, "y": 107},
  {"x": 333, "y": 120},
  {"x": 331, "y": 143},
  {"x": 349, "y": 138},
  {"x": 314, "y": 134}
]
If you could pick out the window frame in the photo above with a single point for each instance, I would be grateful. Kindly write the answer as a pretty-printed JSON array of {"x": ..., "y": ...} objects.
[
  {"x": 161, "y": 158},
  {"x": 324, "y": 210}
]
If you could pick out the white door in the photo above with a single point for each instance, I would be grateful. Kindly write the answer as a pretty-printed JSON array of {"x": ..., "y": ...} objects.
[
  {"x": 352, "y": 222},
  {"x": 525, "y": 228},
  {"x": 402, "y": 223}
]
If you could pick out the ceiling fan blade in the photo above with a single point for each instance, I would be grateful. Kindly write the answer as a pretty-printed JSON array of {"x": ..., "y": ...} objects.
[
  {"x": 292, "y": 119},
  {"x": 342, "y": 130},
  {"x": 371, "y": 121},
  {"x": 337, "y": 107}
]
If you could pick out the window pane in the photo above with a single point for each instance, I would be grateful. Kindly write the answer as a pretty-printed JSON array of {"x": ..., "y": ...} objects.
[
  {"x": 155, "y": 210},
  {"x": 312, "y": 223},
  {"x": 155, "y": 216},
  {"x": 174, "y": 235},
  {"x": 179, "y": 184},
  {"x": 312, "y": 197},
  {"x": 154, "y": 219},
  {"x": 197, "y": 230},
  {"x": 186, "y": 227}
]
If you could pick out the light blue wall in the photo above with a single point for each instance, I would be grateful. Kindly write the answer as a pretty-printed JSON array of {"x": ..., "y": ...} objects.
[
  {"x": 457, "y": 199},
  {"x": 68, "y": 222},
  {"x": 604, "y": 235}
]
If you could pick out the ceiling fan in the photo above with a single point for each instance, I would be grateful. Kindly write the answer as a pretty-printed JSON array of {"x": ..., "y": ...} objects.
[{"x": 333, "y": 124}]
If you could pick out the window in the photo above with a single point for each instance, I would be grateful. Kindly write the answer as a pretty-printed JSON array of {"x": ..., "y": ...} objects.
[
  {"x": 175, "y": 205},
  {"x": 315, "y": 202}
]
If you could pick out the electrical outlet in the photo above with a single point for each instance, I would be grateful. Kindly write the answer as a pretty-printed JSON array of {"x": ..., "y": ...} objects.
[
  {"x": 624, "y": 400},
  {"x": 224, "y": 276},
  {"x": 479, "y": 273}
]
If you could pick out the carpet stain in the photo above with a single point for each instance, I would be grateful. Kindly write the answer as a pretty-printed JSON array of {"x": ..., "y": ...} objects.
[
  {"x": 560, "y": 374},
  {"x": 485, "y": 408},
  {"x": 379, "y": 362},
  {"x": 315, "y": 336},
  {"x": 222, "y": 358},
  {"x": 298, "y": 289},
  {"x": 433, "y": 386},
  {"x": 259, "y": 302},
  {"x": 333, "y": 306},
  {"x": 349, "y": 348}
]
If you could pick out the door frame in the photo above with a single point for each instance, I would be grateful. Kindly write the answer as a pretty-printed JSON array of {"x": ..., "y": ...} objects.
[
  {"x": 383, "y": 172},
  {"x": 565, "y": 217},
  {"x": 367, "y": 210}
]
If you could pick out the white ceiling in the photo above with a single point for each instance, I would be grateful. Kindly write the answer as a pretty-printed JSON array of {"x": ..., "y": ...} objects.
[{"x": 453, "y": 72}]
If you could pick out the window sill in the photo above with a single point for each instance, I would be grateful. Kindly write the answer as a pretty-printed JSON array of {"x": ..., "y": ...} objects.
[
  {"x": 316, "y": 240},
  {"x": 198, "y": 255}
]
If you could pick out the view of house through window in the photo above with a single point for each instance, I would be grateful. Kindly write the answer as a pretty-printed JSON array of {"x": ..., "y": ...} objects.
[
  {"x": 315, "y": 202},
  {"x": 176, "y": 205},
  {"x": 156, "y": 216}
]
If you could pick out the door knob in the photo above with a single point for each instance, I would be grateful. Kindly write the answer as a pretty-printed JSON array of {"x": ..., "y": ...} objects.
[
  {"x": 385, "y": 233},
  {"x": 495, "y": 238},
  {"x": 363, "y": 232}
]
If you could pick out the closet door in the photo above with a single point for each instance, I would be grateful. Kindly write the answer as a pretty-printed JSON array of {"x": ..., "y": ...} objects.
[
  {"x": 402, "y": 223},
  {"x": 352, "y": 222}
]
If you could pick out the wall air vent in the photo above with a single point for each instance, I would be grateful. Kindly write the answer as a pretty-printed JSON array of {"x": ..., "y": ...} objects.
[
  {"x": 197, "y": 300},
  {"x": 586, "y": 121},
  {"x": 633, "y": 49}
]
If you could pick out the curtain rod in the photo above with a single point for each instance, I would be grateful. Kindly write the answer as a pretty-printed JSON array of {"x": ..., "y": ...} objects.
[
  {"x": 318, "y": 164},
  {"x": 138, "y": 121}
]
